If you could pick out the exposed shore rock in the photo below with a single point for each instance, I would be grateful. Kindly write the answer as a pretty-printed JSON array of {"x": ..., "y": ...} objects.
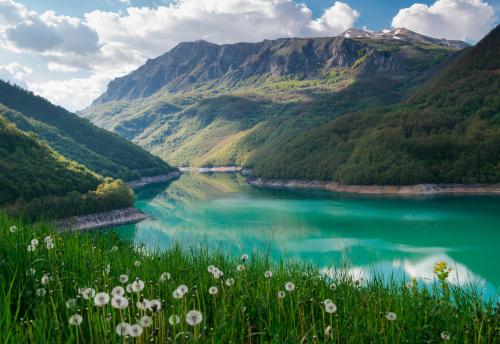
[
  {"x": 101, "y": 220},
  {"x": 408, "y": 190},
  {"x": 217, "y": 169},
  {"x": 135, "y": 184}
]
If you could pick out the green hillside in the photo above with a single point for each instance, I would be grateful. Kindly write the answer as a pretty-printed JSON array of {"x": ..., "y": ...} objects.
[{"x": 77, "y": 139}]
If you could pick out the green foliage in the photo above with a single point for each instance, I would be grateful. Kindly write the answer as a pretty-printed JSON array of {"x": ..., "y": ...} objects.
[
  {"x": 247, "y": 311},
  {"x": 76, "y": 138}
]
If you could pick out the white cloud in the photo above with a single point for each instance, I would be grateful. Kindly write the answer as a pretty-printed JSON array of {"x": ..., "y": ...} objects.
[
  {"x": 11, "y": 13},
  {"x": 466, "y": 20},
  {"x": 15, "y": 72},
  {"x": 336, "y": 19}
]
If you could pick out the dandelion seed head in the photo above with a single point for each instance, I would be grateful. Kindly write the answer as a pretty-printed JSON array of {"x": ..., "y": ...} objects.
[
  {"x": 268, "y": 274},
  {"x": 183, "y": 289},
  {"x": 244, "y": 257},
  {"x": 119, "y": 302},
  {"x": 118, "y": 291},
  {"x": 88, "y": 293},
  {"x": 194, "y": 317},
  {"x": 41, "y": 292},
  {"x": 34, "y": 242},
  {"x": 155, "y": 305},
  {"x": 445, "y": 336},
  {"x": 333, "y": 286},
  {"x": 123, "y": 278},
  {"x": 218, "y": 274},
  {"x": 137, "y": 263},
  {"x": 289, "y": 286},
  {"x": 31, "y": 248},
  {"x": 327, "y": 301},
  {"x": 101, "y": 299},
  {"x": 31, "y": 271},
  {"x": 114, "y": 248},
  {"x": 391, "y": 316},
  {"x": 174, "y": 319},
  {"x": 13, "y": 229},
  {"x": 146, "y": 321},
  {"x": 281, "y": 294},
  {"x": 48, "y": 239},
  {"x": 230, "y": 282},
  {"x": 75, "y": 320},
  {"x": 330, "y": 307},
  {"x": 137, "y": 286},
  {"x": 71, "y": 303},
  {"x": 328, "y": 331},
  {"x": 144, "y": 304},
  {"x": 213, "y": 290},
  {"x": 45, "y": 279},
  {"x": 50, "y": 245},
  {"x": 165, "y": 277},
  {"x": 135, "y": 330},
  {"x": 240, "y": 267},
  {"x": 123, "y": 329},
  {"x": 128, "y": 288},
  {"x": 211, "y": 269}
]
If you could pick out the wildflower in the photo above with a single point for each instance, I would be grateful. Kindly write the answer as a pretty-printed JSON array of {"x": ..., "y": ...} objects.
[
  {"x": 327, "y": 301},
  {"x": 211, "y": 269},
  {"x": 230, "y": 282},
  {"x": 194, "y": 317},
  {"x": 217, "y": 273},
  {"x": 48, "y": 239},
  {"x": 137, "y": 286},
  {"x": 146, "y": 321},
  {"x": 45, "y": 279},
  {"x": 88, "y": 293},
  {"x": 445, "y": 336},
  {"x": 155, "y": 305},
  {"x": 268, "y": 274},
  {"x": 144, "y": 304},
  {"x": 135, "y": 330},
  {"x": 31, "y": 272},
  {"x": 50, "y": 245},
  {"x": 71, "y": 303},
  {"x": 31, "y": 248},
  {"x": 101, "y": 299},
  {"x": 107, "y": 269},
  {"x": 118, "y": 291},
  {"x": 75, "y": 320},
  {"x": 328, "y": 331},
  {"x": 174, "y": 319},
  {"x": 240, "y": 267},
  {"x": 409, "y": 285},
  {"x": 114, "y": 248},
  {"x": 137, "y": 263},
  {"x": 13, "y": 229},
  {"x": 164, "y": 277},
  {"x": 333, "y": 286},
  {"x": 244, "y": 257},
  {"x": 123, "y": 329},
  {"x": 391, "y": 316},
  {"x": 128, "y": 288},
  {"x": 289, "y": 286},
  {"x": 177, "y": 294},
  {"x": 183, "y": 289},
  {"x": 281, "y": 294},
  {"x": 330, "y": 307},
  {"x": 213, "y": 290},
  {"x": 119, "y": 302},
  {"x": 34, "y": 242},
  {"x": 41, "y": 292},
  {"x": 123, "y": 278}
]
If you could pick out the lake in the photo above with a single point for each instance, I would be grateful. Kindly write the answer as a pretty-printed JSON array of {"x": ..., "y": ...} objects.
[{"x": 395, "y": 236}]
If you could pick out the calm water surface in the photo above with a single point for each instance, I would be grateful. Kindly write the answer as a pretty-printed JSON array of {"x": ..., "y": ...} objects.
[{"x": 402, "y": 237}]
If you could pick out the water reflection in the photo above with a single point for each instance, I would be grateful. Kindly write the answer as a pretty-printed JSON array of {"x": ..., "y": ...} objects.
[{"x": 402, "y": 237}]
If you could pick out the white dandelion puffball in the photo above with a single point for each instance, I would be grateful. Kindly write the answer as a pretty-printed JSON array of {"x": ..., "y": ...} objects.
[
  {"x": 101, "y": 299},
  {"x": 211, "y": 269},
  {"x": 165, "y": 277},
  {"x": 31, "y": 271},
  {"x": 177, "y": 294},
  {"x": 123, "y": 329},
  {"x": 217, "y": 273},
  {"x": 88, "y": 293},
  {"x": 34, "y": 242},
  {"x": 194, "y": 317},
  {"x": 144, "y": 304},
  {"x": 48, "y": 239},
  {"x": 391, "y": 316},
  {"x": 240, "y": 267},
  {"x": 31, "y": 248},
  {"x": 281, "y": 294},
  {"x": 41, "y": 292},
  {"x": 333, "y": 286},
  {"x": 118, "y": 291},
  {"x": 50, "y": 245},
  {"x": 114, "y": 248},
  {"x": 330, "y": 307},
  {"x": 268, "y": 274},
  {"x": 445, "y": 336},
  {"x": 71, "y": 303},
  {"x": 155, "y": 305},
  {"x": 213, "y": 290},
  {"x": 327, "y": 301},
  {"x": 128, "y": 288},
  {"x": 328, "y": 331},
  {"x": 45, "y": 279},
  {"x": 230, "y": 282},
  {"x": 13, "y": 229},
  {"x": 244, "y": 257},
  {"x": 137, "y": 263},
  {"x": 123, "y": 278},
  {"x": 174, "y": 319},
  {"x": 137, "y": 286},
  {"x": 75, "y": 320},
  {"x": 119, "y": 302},
  {"x": 183, "y": 289},
  {"x": 135, "y": 330},
  {"x": 146, "y": 321},
  {"x": 289, "y": 286}
]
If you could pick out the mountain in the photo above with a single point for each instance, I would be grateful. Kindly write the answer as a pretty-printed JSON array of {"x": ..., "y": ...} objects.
[
  {"x": 76, "y": 138},
  {"x": 347, "y": 109}
]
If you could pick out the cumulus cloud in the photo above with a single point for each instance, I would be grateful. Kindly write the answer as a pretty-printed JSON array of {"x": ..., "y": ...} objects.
[
  {"x": 11, "y": 13},
  {"x": 14, "y": 71},
  {"x": 467, "y": 20},
  {"x": 336, "y": 19}
]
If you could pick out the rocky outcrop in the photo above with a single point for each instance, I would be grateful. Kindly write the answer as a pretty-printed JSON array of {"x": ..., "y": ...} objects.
[
  {"x": 153, "y": 180},
  {"x": 409, "y": 190},
  {"x": 101, "y": 220}
]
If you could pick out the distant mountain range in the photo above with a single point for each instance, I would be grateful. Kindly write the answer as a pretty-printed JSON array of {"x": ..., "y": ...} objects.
[{"x": 362, "y": 107}]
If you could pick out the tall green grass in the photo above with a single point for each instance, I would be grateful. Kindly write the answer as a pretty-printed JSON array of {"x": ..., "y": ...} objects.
[{"x": 249, "y": 311}]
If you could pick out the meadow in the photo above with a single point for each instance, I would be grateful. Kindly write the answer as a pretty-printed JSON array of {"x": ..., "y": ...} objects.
[{"x": 62, "y": 287}]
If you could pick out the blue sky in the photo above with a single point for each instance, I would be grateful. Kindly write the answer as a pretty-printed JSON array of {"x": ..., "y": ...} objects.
[{"x": 68, "y": 50}]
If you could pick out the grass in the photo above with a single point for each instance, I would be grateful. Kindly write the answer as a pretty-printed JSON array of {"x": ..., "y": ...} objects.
[{"x": 248, "y": 311}]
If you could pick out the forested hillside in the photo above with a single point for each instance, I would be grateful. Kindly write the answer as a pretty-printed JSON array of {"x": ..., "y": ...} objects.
[{"x": 76, "y": 138}]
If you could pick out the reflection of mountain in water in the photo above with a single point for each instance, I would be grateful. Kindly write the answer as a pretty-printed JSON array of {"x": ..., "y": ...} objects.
[{"x": 401, "y": 236}]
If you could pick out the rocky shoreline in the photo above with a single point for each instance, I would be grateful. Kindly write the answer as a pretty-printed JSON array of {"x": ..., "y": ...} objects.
[
  {"x": 403, "y": 190},
  {"x": 101, "y": 220},
  {"x": 135, "y": 184}
]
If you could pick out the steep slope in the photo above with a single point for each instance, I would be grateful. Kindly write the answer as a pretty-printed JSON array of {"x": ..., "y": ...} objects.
[
  {"x": 76, "y": 138},
  {"x": 204, "y": 104},
  {"x": 448, "y": 132},
  {"x": 29, "y": 168}
]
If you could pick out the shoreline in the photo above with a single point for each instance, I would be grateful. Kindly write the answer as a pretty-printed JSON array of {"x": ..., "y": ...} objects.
[
  {"x": 402, "y": 190},
  {"x": 216, "y": 169},
  {"x": 106, "y": 219},
  {"x": 139, "y": 183}
]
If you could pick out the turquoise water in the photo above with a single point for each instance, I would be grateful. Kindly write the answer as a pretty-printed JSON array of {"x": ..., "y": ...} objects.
[{"x": 395, "y": 236}]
